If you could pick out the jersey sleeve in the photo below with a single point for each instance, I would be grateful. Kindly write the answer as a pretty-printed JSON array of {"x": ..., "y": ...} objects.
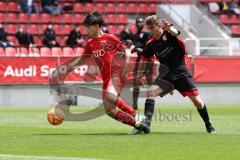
[
  {"x": 119, "y": 44},
  {"x": 148, "y": 51},
  {"x": 87, "y": 49}
]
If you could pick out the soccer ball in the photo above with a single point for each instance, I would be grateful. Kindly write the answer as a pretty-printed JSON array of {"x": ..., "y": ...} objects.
[{"x": 55, "y": 116}]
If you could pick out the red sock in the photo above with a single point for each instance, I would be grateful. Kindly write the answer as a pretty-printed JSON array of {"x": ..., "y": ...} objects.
[
  {"x": 125, "y": 118},
  {"x": 125, "y": 107}
]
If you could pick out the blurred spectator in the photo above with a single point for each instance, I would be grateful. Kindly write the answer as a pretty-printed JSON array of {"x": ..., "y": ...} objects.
[
  {"x": 75, "y": 38},
  {"x": 234, "y": 7},
  {"x": 85, "y": 1},
  {"x": 27, "y": 6},
  {"x": 24, "y": 39},
  {"x": 49, "y": 39},
  {"x": 51, "y": 6},
  {"x": 105, "y": 28},
  {"x": 3, "y": 38},
  {"x": 126, "y": 36}
]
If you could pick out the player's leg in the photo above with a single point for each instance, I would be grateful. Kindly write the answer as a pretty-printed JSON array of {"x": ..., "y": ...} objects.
[
  {"x": 203, "y": 112},
  {"x": 136, "y": 88}
]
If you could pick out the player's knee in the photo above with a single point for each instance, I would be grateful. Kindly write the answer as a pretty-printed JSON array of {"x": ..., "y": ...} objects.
[{"x": 198, "y": 104}]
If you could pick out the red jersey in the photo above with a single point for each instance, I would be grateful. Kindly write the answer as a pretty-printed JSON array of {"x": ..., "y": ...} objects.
[{"x": 103, "y": 49}]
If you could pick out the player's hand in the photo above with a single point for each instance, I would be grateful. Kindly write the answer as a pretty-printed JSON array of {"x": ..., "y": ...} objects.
[
  {"x": 140, "y": 82},
  {"x": 166, "y": 25}
]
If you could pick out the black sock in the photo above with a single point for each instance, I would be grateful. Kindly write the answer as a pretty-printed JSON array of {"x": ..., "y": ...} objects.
[
  {"x": 136, "y": 91},
  {"x": 149, "y": 109},
  {"x": 204, "y": 114}
]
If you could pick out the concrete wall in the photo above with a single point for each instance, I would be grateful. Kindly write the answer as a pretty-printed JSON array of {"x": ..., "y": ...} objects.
[{"x": 40, "y": 96}]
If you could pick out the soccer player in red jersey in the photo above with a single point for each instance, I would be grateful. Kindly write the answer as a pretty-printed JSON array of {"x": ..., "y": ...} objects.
[{"x": 104, "y": 48}]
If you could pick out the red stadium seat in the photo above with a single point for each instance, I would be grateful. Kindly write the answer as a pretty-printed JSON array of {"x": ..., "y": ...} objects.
[
  {"x": 236, "y": 30},
  {"x": 42, "y": 28},
  {"x": 132, "y": 28},
  {"x": 112, "y": 29},
  {"x": 100, "y": 7},
  {"x": 2, "y": 18},
  {"x": 13, "y": 40},
  {"x": 23, "y": 18},
  {"x": 57, "y": 51},
  {"x": 68, "y": 52},
  {"x": 78, "y": 18},
  {"x": 12, "y": 7},
  {"x": 12, "y": 18},
  {"x": 22, "y": 52},
  {"x": 120, "y": 28},
  {"x": 78, "y": 7},
  {"x": 67, "y": 29},
  {"x": 45, "y": 18},
  {"x": 37, "y": 41},
  {"x": 10, "y": 51},
  {"x": 152, "y": 8},
  {"x": 132, "y": 8},
  {"x": 2, "y": 52},
  {"x": 2, "y": 6},
  {"x": 142, "y": 8},
  {"x": 67, "y": 18},
  {"x": 122, "y": 19},
  {"x": 111, "y": 8},
  {"x": 89, "y": 7},
  {"x": 45, "y": 52},
  {"x": 34, "y": 29},
  {"x": 83, "y": 30},
  {"x": 12, "y": 29},
  {"x": 57, "y": 29},
  {"x": 78, "y": 51},
  {"x": 121, "y": 8},
  {"x": 34, "y": 18},
  {"x": 111, "y": 18},
  {"x": 56, "y": 19},
  {"x": 34, "y": 52}
]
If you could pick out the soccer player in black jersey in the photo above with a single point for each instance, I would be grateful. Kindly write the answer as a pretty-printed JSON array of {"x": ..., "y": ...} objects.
[{"x": 173, "y": 74}]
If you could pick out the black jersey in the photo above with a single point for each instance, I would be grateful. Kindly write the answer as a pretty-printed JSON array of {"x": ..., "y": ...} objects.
[
  {"x": 140, "y": 39},
  {"x": 170, "y": 51}
]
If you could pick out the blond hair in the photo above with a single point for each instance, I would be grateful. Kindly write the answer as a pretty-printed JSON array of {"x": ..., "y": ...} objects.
[{"x": 153, "y": 19}]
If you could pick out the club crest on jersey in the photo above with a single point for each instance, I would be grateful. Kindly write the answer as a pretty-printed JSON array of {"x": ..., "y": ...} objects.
[
  {"x": 98, "y": 53},
  {"x": 108, "y": 46}
]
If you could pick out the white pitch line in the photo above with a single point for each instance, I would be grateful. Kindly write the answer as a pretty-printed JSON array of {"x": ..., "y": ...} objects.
[{"x": 43, "y": 157}]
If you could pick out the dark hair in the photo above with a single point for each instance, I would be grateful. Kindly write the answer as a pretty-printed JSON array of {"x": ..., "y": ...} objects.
[{"x": 93, "y": 19}]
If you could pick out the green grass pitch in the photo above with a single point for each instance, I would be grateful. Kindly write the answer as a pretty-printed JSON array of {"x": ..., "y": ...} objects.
[{"x": 26, "y": 134}]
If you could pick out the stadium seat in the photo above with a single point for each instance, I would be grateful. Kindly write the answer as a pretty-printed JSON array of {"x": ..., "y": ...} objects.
[
  {"x": 111, "y": 8},
  {"x": 13, "y": 40},
  {"x": 37, "y": 41},
  {"x": 122, "y": 19},
  {"x": 78, "y": 7},
  {"x": 34, "y": 29},
  {"x": 100, "y": 7},
  {"x": 56, "y": 19},
  {"x": 121, "y": 8},
  {"x": 142, "y": 8},
  {"x": 67, "y": 18},
  {"x": 132, "y": 28},
  {"x": 235, "y": 30},
  {"x": 78, "y": 18},
  {"x": 2, "y": 6},
  {"x": 12, "y": 18},
  {"x": 152, "y": 8},
  {"x": 42, "y": 28},
  {"x": 83, "y": 30},
  {"x": 22, "y": 18},
  {"x": 45, "y": 52},
  {"x": 78, "y": 51},
  {"x": 120, "y": 28},
  {"x": 45, "y": 18},
  {"x": 12, "y": 29},
  {"x": 57, "y": 51},
  {"x": 68, "y": 52},
  {"x": 34, "y": 52},
  {"x": 22, "y": 52},
  {"x": 67, "y": 29},
  {"x": 2, "y": 18},
  {"x": 57, "y": 29},
  {"x": 88, "y": 7},
  {"x": 10, "y": 51},
  {"x": 12, "y": 7},
  {"x": 2, "y": 52},
  {"x": 111, "y": 18},
  {"x": 112, "y": 29},
  {"x": 132, "y": 8},
  {"x": 34, "y": 18}
]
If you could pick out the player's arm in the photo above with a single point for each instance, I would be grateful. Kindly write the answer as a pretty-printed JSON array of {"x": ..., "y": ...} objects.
[
  {"x": 168, "y": 27},
  {"x": 127, "y": 54}
]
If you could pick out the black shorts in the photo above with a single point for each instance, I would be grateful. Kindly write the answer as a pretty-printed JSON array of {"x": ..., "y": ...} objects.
[{"x": 184, "y": 85}]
